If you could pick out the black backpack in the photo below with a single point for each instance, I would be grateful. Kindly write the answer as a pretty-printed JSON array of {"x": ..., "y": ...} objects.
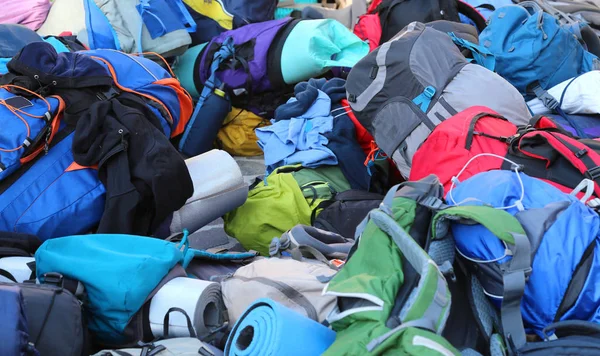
[
  {"x": 397, "y": 14},
  {"x": 342, "y": 214}
]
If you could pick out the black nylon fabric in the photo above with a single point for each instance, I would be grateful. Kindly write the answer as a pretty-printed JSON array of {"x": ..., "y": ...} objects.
[
  {"x": 396, "y": 14},
  {"x": 346, "y": 212},
  {"x": 54, "y": 319}
]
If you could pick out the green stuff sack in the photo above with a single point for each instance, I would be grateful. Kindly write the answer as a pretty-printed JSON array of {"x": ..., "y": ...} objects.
[
  {"x": 392, "y": 296},
  {"x": 283, "y": 200}
]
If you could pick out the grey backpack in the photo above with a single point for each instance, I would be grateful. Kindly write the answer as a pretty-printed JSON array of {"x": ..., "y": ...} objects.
[{"x": 402, "y": 90}]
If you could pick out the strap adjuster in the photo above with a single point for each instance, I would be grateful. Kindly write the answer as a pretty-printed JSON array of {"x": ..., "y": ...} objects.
[
  {"x": 548, "y": 100},
  {"x": 593, "y": 173}
]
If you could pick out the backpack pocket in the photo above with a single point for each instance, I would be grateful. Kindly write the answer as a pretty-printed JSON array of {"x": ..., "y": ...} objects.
[
  {"x": 27, "y": 125},
  {"x": 55, "y": 197},
  {"x": 400, "y": 128}
]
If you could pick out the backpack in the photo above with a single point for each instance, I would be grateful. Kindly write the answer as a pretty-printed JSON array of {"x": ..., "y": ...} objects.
[
  {"x": 392, "y": 296},
  {"x": 232, "y": 64},
  {"x": 517, "y": 266},
  {"x": 478, "y": 139},
  {"x": 533, "y": 50},
  {"x": 117, "y": 303},
  {"x": 295, "y": 284},
  {"x": 578, "y": 25},
  {"x": 343, "y": 214},
  {"x": 400, "y": 102},
  {"x": 217, "y": 16},
  {"x": 556, "y": 227},
  {"x": 30, "y": 194},
  {"x": 54, "y": 316},
  {"x": 14, "y": 339},
  {"x": 132, "y": 26},
  {"x": 283, "y": 200}
]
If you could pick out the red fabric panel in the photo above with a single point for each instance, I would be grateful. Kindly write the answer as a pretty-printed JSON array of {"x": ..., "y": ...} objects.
[{"x": 444, "y": 153}]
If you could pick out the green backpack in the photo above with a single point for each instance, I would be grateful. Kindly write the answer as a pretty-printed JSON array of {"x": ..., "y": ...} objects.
[
  {"x": 392, "y": 295},
  {"x": 286, "y": 198}
]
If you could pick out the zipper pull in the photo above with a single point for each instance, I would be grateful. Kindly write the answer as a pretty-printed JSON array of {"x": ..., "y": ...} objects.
[
  {"x": 47, "y": 141},
  {"x": 123, "y": 141}
]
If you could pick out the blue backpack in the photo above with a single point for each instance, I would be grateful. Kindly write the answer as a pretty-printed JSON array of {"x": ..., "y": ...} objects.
[
  {"x": 533, "y": 50},
  {"x": 51, "y": 195},
  {"x": 544, "y": 271}
]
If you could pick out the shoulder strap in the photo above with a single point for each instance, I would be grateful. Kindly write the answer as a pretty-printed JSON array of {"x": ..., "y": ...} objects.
[
  {"x": 582, "y": 157},
  {"x": 514, "y": 273}
]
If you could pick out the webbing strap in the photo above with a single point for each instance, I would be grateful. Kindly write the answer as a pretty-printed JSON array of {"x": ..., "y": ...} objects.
[
  {"x": 226, "y": 51},
  {"x": 514, "y": 276},
  {"x": 424, "y": 99}
]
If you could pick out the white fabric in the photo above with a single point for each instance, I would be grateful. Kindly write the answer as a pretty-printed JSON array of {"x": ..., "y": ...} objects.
[
  {"x": 64, "y": 15},
  {"x": 581, "y": 97},
  {"x": 17, "y": 267}
]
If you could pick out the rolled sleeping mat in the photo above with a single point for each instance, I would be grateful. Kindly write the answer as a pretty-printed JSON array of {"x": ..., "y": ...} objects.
[
  {"x": 187, "y": 307},
  {"x": 268, "y": 328},
  {"x": 16, "y": 269},
  {"x": 184, "y": 68},
  {"x": 315, "y": 46},
  {"x": 219, "y": 187}
]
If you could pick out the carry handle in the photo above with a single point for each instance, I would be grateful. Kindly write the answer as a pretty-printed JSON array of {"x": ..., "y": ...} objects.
[
  {"x": 532, "y": 5},
  {"x": 572, "y": 327},
  {"x": 589, "y": 187},
  {"x": 190, "y": 327}
]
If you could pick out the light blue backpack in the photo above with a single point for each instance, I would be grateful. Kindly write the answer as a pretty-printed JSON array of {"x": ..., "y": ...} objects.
[{"x": 533, "y": 51}]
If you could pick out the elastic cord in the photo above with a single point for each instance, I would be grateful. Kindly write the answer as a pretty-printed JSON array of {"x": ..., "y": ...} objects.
[{"x": 518, "y": 204}]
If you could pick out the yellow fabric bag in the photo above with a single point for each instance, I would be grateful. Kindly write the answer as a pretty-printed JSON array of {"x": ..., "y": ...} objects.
[{"x": 237, "y": 136}]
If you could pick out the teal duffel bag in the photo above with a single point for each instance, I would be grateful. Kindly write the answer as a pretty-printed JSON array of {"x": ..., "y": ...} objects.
[{"x": 120, "y": 273}]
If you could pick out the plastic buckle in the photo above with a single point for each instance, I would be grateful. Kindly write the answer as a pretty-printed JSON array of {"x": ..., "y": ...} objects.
[
  {"x": 53, "y": 278},
  {"x": 547, "y": 99},
  {"x": 429, "y": 92},
  {"x": 593, "y": 173}
]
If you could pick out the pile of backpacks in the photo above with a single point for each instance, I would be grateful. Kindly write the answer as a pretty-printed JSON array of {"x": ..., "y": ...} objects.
[{"x": 431, "y": 178}]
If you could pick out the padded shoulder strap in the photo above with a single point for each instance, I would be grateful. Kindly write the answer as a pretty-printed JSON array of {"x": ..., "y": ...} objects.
[
  {"x": 514, "y": 273},
  {"x": 499, "y": 222}
]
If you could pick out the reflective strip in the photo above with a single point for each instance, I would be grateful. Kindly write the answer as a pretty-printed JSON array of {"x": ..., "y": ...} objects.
[
  {"x": 430, "y": 344},
  {"x": 377, "y": 84}
]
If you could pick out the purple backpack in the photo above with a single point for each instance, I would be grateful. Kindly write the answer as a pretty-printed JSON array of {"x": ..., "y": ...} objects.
[{"x": 255, "y": 66}]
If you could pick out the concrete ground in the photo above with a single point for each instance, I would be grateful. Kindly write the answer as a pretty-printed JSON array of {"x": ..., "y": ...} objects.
[{"x": 213, "y": 234}]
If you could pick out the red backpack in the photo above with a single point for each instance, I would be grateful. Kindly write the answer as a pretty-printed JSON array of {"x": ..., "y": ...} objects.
[{"x": 475, "y": 140}]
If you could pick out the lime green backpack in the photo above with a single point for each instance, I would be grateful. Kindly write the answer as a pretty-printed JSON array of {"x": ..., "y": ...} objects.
[{"x": 286, "y": 198}]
